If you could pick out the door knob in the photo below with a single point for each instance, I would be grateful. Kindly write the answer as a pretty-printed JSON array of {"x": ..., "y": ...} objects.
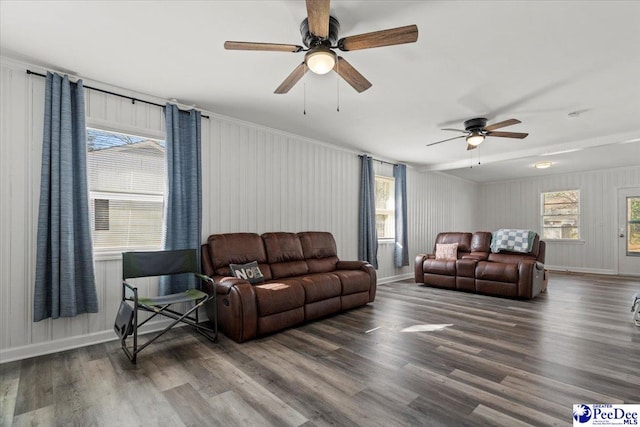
[{"x": 621, "y": 235}]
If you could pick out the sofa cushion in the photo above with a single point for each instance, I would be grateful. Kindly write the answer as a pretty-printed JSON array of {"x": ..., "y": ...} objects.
[
  {"x": 481, "y": 241},
  {"x": 284, "y": 254},
  {"x": 237, "y": 248},
  {"x": 249, "y": 272},
  {"x": 353, "y": 281},
  {"x": 282, "y": 247},
  {"x": 509, "y": 257},
  {"x": 462, "y": 239},
  {"x": 497, "y": 271},
  {"x": 320, "y": 286},
  {"x": 279, "y": 296},
  {"x": 319, "y": 250},
  {"x": 438, "y": 266},
  {"x": 446, "y": 251}
]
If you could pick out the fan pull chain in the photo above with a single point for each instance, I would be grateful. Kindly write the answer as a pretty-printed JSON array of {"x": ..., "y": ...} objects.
[
  {"x": 478, "y": 155},
  {"x": 304, "y": 90},
  {"x": 338, "y": 86}
]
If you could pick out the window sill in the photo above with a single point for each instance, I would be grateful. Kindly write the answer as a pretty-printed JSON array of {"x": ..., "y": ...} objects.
[
  {"x": 116, "y": 254},
  {"x": 387, "y": 241},
  {"x": 107, "y": 256}
]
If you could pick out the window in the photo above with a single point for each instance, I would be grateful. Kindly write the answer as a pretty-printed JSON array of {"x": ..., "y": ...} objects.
[
  {"x": 126, "y": 189},
  {"x": 385, "y": 207},
  {"x": 561, "y": 215},
  {"x": 633, "y": 226}
]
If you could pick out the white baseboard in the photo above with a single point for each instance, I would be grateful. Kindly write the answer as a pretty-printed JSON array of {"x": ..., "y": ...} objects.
[
  {"x": 48, "y": 347},
  {"x": 581, "y": 270},
  {"x": 395, "y": 278}
]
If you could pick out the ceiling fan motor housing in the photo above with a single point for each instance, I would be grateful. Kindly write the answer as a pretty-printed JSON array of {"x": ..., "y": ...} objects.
[
  {"x": 475, "y": 124},
  {"x": 310, "y": 40}
]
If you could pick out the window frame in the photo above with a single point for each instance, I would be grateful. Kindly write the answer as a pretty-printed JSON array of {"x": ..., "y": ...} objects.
[
  {"x": 116, "y": 252},
  {"x": 578, "y": 226},
  {"x": 392, "y": 212}
]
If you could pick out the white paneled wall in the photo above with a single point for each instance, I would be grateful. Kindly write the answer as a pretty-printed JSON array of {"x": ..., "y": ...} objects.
[
  {"x": 516, "y": 204},
  {"x": 435, "y": 203},
  {"x": 255, "y": 179},
  {"x": 260, "y": 180},
  {"x": 439, "y": 203}
]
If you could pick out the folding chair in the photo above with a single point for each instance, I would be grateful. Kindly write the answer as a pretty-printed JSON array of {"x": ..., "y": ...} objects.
[{"x": 152, "y": 264}]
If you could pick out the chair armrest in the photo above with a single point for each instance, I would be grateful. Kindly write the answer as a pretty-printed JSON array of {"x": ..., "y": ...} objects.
[
  {"x": 132, "y": 288},
  {"x": 418, "y": 270}
]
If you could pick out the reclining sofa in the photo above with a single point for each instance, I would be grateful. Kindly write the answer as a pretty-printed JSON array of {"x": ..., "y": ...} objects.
[
  {"x": 303, "y": 280},
  {"x": 476, "y": 268}
]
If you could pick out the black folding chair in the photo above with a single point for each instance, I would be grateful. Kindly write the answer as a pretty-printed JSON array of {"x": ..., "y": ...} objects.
[{"x": 160, "y": 263}]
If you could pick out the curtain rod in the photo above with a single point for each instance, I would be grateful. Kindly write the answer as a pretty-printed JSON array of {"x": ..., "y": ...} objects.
[
  {"x": 378, "y": 160},
  {"x": 133, "y": 100}
]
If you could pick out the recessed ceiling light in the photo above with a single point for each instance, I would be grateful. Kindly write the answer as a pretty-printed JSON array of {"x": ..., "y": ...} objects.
[{"x": 542, "y": 165}]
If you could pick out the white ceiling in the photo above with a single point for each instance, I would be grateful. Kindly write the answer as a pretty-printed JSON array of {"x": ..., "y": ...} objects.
[{"x": 536, "y": 61}]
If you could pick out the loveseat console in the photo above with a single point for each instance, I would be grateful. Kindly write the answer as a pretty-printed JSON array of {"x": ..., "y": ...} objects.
[{"x": 477, "y": 267}]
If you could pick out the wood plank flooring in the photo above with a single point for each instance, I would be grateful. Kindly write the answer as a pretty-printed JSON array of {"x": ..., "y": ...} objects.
[{"x": 501, "y": 362}]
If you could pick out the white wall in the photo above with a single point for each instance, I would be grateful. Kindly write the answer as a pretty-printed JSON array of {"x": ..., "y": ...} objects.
[
  {"x": 516, "y": 204},
  {"x": 255, "y": 179}
]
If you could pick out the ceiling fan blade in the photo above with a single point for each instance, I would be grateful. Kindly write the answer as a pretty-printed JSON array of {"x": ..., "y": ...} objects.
[
  {"x": 455, "y": 130},
  {"x": 445, "y": 140},
  {"x": 292, "y": 79},
  {"x": 275, "y": 47},
  {"x": 471, "y": 147},
  {"x": 503, "y": 124},
  {"x": 518, "y": 135},
  {"x": 400, "y": 35},
  {"x": 351, "y": 75},
  {"x": 318, "y": 14}
]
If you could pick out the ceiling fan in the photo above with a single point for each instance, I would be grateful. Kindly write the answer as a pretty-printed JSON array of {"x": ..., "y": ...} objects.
[
  {"x": 476, "y": 130},
  {"x": 320, "y": 36}
]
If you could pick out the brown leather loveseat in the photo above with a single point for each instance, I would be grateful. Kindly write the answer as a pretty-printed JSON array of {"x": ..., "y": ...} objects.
[
  {"x": 303, "y": 280},
  {"x": 477, "y": 269}
]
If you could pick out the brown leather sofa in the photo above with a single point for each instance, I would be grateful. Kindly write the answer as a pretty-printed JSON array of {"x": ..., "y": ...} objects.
[
  {"x": 477, "y": 269},
  {"x": 303, "y": 280}
]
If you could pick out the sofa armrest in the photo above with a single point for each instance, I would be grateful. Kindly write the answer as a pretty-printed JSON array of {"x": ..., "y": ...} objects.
[
  {"x": 237, "y": 308},
  {"x": 350, "y": 265},
  {"x": 367, "y": 268},
  {"x": 478, "y": 256},
  {"x": 530, "y": 278},
  {"x": 224, "y": 284}
]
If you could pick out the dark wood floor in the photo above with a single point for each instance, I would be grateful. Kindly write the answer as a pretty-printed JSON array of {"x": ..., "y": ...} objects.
[{"x": 501, "y": 362}]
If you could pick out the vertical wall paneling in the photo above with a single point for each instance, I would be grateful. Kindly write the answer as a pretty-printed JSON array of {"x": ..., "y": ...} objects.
[
  {"x": 516, "y": 204},
  {"x": 255, "y": 179}
]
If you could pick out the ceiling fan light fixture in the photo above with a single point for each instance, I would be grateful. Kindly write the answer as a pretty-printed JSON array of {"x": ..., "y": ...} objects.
[
  {"x": 320, "y": 60},
  {"x": 476, "y": 138},
  {"x": 543, "y": 165}
]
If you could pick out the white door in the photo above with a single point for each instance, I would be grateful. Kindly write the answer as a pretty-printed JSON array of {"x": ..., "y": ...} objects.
[{"x": 629, "y": 231}]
